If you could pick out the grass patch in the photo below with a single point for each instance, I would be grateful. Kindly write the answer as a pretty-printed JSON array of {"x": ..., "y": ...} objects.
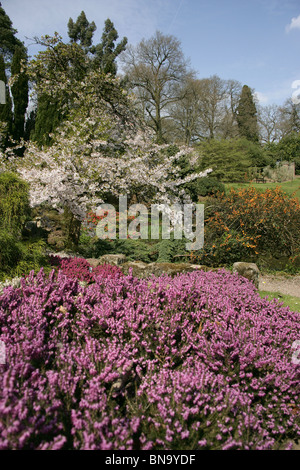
[
  {"x": 289, "y": 187},
  {"x": 287, "y": 300}
]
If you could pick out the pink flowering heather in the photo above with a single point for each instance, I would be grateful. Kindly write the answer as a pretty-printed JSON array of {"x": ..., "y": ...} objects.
[
  {"x": 199, "y": 361},
  {"x": 80, "y": 269}
]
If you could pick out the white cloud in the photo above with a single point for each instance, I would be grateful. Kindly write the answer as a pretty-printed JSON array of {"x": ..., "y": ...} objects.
[
  {"x": 294, "y": 24},
  {"x": 261, "y": 97},
  {"x": 279, "y": 92}
]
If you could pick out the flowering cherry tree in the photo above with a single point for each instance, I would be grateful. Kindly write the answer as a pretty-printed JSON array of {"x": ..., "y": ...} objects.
[{"x": 101, "y": 149}]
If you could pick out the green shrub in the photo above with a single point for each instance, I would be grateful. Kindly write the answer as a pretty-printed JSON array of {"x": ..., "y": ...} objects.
[
  {"x": 18, "y": 259},
  {"x": 136, "y": 250},
  {"x": 168, "y": 249},
  {"x": 14, "y": 202},
  {"x": 229, "y": 159},
  {"x": 289, "y": 149},
  {"x": 141, "y": 250},
  {"x": 204, "y": 187},
  {"x": 33, "y": 258},
  {"x": 10, "y": 251}
]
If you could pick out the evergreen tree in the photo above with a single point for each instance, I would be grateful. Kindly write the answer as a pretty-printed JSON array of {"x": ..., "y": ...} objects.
[
  {"x": 19, "y": 92},
  {"x": 247, "y": 116},
  {"x": 8, "y": 40},
  {"x": 81, "y": 31},
  {"x": 5, "y": 109},
  {"x": 47, "y": 119},
  {"x": 107, "y": 52},
  {"x": 73, "y": 60}
]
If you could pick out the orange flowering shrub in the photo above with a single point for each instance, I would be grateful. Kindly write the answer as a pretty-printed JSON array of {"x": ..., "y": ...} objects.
[
  {"x": 247, "y": 223},
  {"x": 92, "y": 220}
]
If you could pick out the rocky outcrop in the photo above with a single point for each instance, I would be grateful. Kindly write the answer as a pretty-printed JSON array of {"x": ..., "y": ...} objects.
[
  {"x": 94, "y": 262},
  {"x": 247, "y": 270},
  {"x": 116, "y": 260},
  {"x": 144, "y": 270}
]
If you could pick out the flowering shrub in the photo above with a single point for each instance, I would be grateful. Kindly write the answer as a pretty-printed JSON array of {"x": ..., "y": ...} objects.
[
  {"x": 79, "y": 268},
  {"x": 249, "y": 223},
  {"x": 199, "y": 361},
  {"x": 92, "y": 220},
  {"x": 105, "y": 270}
]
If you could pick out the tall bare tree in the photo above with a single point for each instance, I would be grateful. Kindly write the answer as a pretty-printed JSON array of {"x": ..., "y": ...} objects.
[
  {"x": 229, "y": 127},
  {"x": 211, "y": 110},
  {"x": 269, "y": 123},
  {"x": 184, "y": 123},
  {"x": 207, "y": 109},
  {"x": 155, "y": 68},
  {"x": 289, "y": 118}
]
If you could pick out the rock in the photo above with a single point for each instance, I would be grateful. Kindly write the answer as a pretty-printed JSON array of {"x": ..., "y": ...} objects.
[
  {"x": 63, "y": 254},
  {"x": 31, "y": 227},
  {"x": 45, "y": 223},
  {"x": 94, "y": 262},
  {"x": 201, "y": 267},
  {"x": 247, "y": 270},
  {"x": 171, "y": 269},
  {"x": 143, "y": 270},
  {"x": 138, "y": 268},
  {"x": 116, "y": 260}
]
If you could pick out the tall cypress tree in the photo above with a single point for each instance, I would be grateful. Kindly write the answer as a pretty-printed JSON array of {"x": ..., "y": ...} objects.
[
  {"x": 247, "y": 116},
  {"x": 81, "y": 31},
  {"x": 12, "y": 49},
  {"x": 47, "y": 120},
  {"x": 8, "y": 40},
  {"x": 19, "y": 91},
  {"x": 107, "y": 51},
  {"x": 5, "y": 109}
]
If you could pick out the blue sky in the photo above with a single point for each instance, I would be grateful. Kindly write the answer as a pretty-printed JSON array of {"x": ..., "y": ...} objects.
[{"x": 255, "y": 42}]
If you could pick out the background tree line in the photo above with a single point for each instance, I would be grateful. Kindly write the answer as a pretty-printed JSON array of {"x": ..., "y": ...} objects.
[{"x": 209, "y": 113}]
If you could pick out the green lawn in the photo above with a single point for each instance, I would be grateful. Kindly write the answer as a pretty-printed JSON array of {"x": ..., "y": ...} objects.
[
  {"x": 289, "y": 187},
  {"x": 288, "y": 300}
]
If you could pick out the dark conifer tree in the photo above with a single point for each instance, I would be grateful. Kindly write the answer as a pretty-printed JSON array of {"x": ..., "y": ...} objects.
[
  {"x": 102, "y": 55},
  {"x": 46, "y": 121},
  {"x": 107, "y": 51},
  {"x": 8, "y": 40},
  {"x": 247, "y": 116},
  {"x": 19, "y": 92},
  {"x": 81, "y": 31},
  {"x": 5, "y": 109}
]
